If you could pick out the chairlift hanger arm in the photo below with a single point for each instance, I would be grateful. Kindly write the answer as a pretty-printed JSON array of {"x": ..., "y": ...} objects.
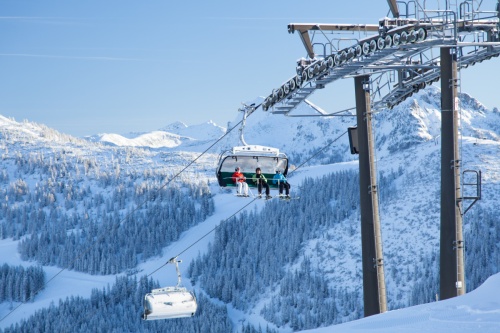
[
  {"x": 176, "y": 263},
  {"x": 249, "y": 109}
]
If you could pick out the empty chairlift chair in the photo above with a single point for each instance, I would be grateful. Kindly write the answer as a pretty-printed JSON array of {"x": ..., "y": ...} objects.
[{"x": 170, "y": 302}]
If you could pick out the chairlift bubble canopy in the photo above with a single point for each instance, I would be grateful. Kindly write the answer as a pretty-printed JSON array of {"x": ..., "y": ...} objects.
[
  {"x": 170, "y": 302},
  {"x": 248, "y": 158}
]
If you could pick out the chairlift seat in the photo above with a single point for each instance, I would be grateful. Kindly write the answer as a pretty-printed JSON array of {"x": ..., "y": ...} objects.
[
  {"x": 169, "y": 303},
  {"x": 248, "y": 158}
]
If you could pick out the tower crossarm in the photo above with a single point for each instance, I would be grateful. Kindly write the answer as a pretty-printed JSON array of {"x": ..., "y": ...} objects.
[{"x": 392, "y": 45}]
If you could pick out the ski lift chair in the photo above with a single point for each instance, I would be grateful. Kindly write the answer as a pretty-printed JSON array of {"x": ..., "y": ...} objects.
[
  {"x": 170, "y": 302},
  {"x": 248, "y": 158}
]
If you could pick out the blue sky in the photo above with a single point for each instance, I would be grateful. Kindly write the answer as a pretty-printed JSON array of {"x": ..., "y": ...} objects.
[{"x": 87, "y": 67}]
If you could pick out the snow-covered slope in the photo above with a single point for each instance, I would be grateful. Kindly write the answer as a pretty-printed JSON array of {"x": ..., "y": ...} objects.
[
  {"x": 408, "y": 171},
  {"x": 408, "y": 163},
  {"x": 477, "y": 311},
  {"x": 30, "y": 133}
]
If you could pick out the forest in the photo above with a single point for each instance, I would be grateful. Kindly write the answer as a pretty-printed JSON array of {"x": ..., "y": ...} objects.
[
  {"x": 248, "y": 261},
  {"x": 104, "y": 213},
  {"x": 20, "y": 284},
  {"x": 118, "y": 308},
  {"x": 128, "y": 216}
]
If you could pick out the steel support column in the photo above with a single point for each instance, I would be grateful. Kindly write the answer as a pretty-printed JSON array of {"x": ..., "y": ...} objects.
[
  {"x": 452, "y": 275},
  {"x": 374, "y": 292}
]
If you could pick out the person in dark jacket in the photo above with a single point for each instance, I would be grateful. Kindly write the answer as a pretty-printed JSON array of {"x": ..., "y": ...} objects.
[{"x": 261, "y": 181}]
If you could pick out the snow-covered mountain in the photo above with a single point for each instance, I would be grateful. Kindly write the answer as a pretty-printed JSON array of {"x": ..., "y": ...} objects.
[
  {"x": 13, "y": 132},
  {"x": 82, "y": 184},
  {"x": 202, "y": 132},
  {"x": 300, "y": 137},
  {"x": 156, "y": 139},
  {"x": 176, "y": 136},
  {"x": 296, "y": 136}
]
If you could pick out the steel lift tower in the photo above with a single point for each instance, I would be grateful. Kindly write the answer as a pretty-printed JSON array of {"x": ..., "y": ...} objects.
[{"x": 389, "y": 61}]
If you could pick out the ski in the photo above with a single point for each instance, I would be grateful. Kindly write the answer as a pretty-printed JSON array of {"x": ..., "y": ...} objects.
[{"x": 283, "y": 198}]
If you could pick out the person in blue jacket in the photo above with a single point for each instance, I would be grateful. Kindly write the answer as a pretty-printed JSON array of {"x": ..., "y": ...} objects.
[{"x": 280, "y": 179}]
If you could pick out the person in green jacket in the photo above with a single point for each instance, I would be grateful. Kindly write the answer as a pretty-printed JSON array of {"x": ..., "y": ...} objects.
[{"x": 261, "y": 181}]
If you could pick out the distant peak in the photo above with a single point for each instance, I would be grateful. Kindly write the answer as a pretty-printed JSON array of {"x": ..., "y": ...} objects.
[{"x": 175, "y": 126}]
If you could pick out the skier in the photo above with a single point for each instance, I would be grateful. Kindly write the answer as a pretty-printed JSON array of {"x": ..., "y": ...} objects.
[
  {"x": 261, "y": 181},
  {"x": 240, "y": 180},
  {"x": 282, "y": 182}
]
